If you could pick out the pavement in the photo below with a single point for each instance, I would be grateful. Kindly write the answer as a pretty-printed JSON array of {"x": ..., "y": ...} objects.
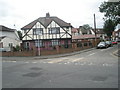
[
  {"x": 62, "y": 55},
  {"x": 117, "y": 53}
]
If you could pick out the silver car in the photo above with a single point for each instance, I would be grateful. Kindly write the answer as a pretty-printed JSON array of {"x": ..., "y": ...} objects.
[{"x": 102, "y": 45}]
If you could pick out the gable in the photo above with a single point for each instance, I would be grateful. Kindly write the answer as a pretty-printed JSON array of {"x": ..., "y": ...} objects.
[{"x": 53, "y": 24}]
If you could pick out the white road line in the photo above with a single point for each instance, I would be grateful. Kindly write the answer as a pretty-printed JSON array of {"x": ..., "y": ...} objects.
[
  {"x": 34, "y": 62},
  {"x": 56, "y": 61},
  {"x": 105, "y": 64},
  {"x": 91, "y": 54},
  {"x": 13, "y": 61},
  {"x": 77, "y": 59},
  {"x": 26, "y": 62}
]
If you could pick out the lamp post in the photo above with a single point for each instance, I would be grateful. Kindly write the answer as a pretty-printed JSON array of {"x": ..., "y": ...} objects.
[{"x": 39, "y": 53}]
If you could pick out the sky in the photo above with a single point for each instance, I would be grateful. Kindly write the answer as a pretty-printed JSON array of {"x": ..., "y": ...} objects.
[{"x": 18, "y": 13}]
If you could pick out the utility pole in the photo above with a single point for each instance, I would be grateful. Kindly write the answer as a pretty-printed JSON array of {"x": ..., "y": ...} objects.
[{"x": 95, "y": 29}]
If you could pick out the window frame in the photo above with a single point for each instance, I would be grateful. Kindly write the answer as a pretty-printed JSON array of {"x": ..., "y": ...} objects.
[
  {"x": 39, "y": 43},
  {"x": 54, "y": 42},
  {"x": 54, "y": 30},
  {"x": 36, "y": 30}
]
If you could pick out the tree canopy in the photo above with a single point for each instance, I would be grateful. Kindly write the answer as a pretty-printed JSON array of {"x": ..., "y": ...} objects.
[
  {"x": 109, "y": 27},
  {"x": 111, "y": 11},
  {"x": 19, "y": 34},
  {"x": 86, "y": 26}
]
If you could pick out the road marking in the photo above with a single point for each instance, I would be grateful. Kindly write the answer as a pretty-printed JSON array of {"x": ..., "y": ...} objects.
[
  {"x": 55, "y": 61},
  {"x": 105, "y": 64},
  {"x": 77, "y": 59},
  {"x": 13, "y": 61},
  {"x": 34, "y": 62},
  {"x": 26, "y": 62},
  {"x": 91, "y": 54}
]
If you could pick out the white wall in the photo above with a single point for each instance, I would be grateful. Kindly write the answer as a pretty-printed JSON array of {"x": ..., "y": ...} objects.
[
  {"x": 8, "y": 40},
  {"x": 46, "y": 30},
  {"x": 10, "y": 34}
]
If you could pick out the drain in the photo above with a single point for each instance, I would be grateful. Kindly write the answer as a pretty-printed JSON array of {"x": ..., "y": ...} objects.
[{"x": 33, "y": 74}]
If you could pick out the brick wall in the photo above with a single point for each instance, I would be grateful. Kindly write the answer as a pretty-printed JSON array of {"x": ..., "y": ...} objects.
[
  {"x": 20, "y": 53},
  {"x": 58, "y": 49}
]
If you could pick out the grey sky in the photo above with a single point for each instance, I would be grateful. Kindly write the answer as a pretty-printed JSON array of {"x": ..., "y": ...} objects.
[{"x": 76, "y": 12}]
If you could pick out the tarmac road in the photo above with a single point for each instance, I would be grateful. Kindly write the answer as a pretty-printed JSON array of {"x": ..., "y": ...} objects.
[{"x": 97, "y": 68}]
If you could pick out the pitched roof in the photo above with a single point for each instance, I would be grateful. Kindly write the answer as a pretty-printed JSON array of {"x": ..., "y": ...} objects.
[
  {"x": 2, "y": 37},
  {"x": 3, "y": 28},
  {"x": 99, "y": 31},
  {"x": 84, "y": 37},
  {"x": 74, "y": 30},
  {"x": 45, "y": 21}
]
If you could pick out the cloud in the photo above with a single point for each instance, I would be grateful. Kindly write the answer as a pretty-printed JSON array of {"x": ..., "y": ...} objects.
[
  {"x": 4, "y": 9},
  {"x": 22, "y": 12}
]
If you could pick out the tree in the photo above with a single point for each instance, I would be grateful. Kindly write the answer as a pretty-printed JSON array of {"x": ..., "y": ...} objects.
[
  {"x": 86, "y": 26},
  {"x": 111, "y": 11},
  {"x": 19, "y": 34},
  {"x": 109, "y": 27}
]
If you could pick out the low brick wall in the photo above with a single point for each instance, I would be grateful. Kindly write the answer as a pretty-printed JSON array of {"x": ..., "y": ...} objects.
[
  {"x": 58, "y": 50},
  {"x": 63, "y": 50}
]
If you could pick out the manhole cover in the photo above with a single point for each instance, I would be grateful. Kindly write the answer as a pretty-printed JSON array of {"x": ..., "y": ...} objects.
[
  {"x": 99, "y": 78},
  {"x": 33, "y": 74},
  {"x": 36, "y": 68}
]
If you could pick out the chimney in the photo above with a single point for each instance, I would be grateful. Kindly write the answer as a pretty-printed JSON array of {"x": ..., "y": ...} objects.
[{"x": 47, "y": 15}]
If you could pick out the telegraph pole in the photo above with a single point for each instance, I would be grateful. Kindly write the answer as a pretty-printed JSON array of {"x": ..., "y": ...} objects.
[{"x": 95, "y": 29}]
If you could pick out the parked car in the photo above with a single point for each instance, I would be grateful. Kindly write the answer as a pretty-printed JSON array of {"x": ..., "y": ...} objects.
[
  {"x": 114, "y": 42},
  {"x": 102, "y": 45},
  {"x": 109, "y": 43}
]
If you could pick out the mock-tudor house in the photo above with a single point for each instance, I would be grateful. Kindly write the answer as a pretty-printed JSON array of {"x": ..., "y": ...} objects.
[
  {"x": 8, "y": 38},
  {"x": 46, "y": 32}
]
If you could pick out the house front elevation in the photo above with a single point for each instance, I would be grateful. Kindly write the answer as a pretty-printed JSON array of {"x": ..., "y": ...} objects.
[
  {"x": 46, "y": 32},
  {"x": 8, "y": 38}
]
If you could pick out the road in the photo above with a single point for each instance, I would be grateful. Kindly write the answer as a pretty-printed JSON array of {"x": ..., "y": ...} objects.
[{"x": 97, "y": 68}]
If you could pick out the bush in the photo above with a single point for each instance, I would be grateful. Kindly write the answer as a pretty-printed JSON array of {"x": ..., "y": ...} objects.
[{"x": 17, "y": 48}]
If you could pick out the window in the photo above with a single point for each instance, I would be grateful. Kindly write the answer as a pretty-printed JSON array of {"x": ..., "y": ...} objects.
[
  {"x": 55, "y": 42},
  {"x": 38, "y": 31},
  {"x": 55, "y": 30},
  {"x": 38, "y": 43},
  {"x": 26, "y": 45},
  {"x": 10, "y": 45},
  {"x": 85, "y": 44}
]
